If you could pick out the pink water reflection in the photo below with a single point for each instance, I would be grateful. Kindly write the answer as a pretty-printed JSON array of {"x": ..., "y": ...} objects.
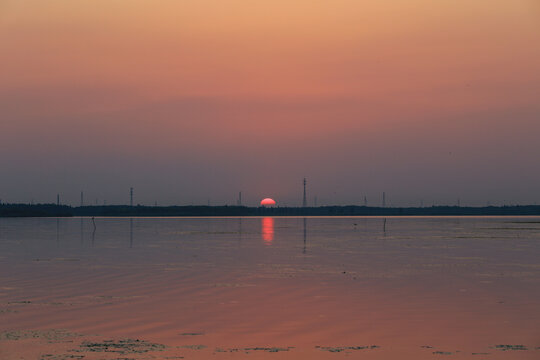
[{"x": 267, "y": 230}]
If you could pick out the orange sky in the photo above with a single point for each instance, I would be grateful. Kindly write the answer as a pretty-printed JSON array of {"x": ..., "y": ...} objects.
[{"x": 305, "y": 87}]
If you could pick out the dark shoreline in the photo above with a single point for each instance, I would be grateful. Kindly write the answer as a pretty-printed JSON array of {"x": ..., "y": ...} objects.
[{"x": 52, "y": 210}]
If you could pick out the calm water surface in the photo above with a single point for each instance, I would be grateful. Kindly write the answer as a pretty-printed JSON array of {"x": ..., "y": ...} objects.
[{"x": 295, "y": 288}]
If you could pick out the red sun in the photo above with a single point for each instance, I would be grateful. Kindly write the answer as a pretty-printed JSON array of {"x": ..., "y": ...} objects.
[{"x": 267, "y": 202}]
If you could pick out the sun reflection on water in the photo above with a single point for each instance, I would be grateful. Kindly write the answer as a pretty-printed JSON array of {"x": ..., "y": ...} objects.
[{"x": 267, "y": 230}]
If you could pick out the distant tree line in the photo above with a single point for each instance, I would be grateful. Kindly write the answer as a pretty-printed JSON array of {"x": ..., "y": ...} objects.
[{"x": 52, "y": 210}]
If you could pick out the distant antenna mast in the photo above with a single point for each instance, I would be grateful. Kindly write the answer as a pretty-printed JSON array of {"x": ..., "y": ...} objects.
[
  {"x": 304, "y": 201},
  {"x": 58, "y": 199},
  {"x": 240, "y": 198},
  {"x": 82, "y": 198},
  {"x": 383, "y": 199},
  {"x": 365, "y": 200},
  {"x": 131, "y": 196}
]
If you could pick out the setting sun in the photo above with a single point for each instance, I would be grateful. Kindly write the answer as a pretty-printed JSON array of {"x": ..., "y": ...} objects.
[{"x": 268, "y": 202}]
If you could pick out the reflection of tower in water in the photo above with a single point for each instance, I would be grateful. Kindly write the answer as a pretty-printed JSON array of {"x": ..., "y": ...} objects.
[
  {"x": 130, "y": 233},
  {"x": 267, "y": 229},
  {"x": 93, "y": 231},
  {"x": 305, "y": 236},
  {"x": 57, "y": 232},
  {"x": 82, "y": 230},
  {"x": 239, "y": 229}
]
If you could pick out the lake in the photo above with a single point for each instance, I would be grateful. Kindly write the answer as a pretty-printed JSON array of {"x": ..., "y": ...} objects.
[{"x": 276, "y": 288}]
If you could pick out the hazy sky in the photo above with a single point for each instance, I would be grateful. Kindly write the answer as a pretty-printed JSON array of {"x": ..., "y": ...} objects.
[{"x": 190, "y": 100}]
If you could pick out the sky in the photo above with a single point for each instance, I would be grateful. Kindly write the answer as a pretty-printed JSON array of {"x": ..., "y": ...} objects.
[{"x": 192, "y": 101}]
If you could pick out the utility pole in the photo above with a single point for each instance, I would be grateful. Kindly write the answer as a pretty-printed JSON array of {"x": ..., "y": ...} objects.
[
  {"x": 131, "y": 196},
  {"x": 383, "y": 199},
  {"x": 82, "y": 198},
  {"x": 58, "y": 199}
]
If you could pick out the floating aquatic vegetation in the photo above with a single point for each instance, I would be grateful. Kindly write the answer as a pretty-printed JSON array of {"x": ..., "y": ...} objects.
[
  {"x": 124, "y": 346},
  {"x": 50, "y": 335},
  {"x": 344, "y": 348},
  {"x": 269, "y": 349},
  {"x": 247, "y": 350},
  {"x": 61, "y": 357},
  {"x": 8, "y": 311},
  {"x": 510, "y": 347},
  {"x": 442, "y": 353},
  {"x": 193, "y": 347}
]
